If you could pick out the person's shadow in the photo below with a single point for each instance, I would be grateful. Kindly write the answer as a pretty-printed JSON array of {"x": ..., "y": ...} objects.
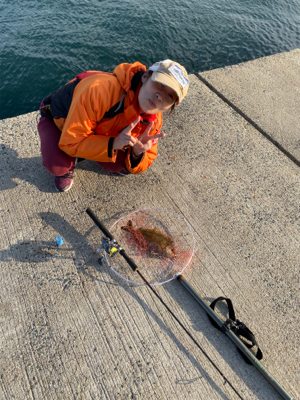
[
  {"x": 34, "y": 251},
  {"x": 31, "y": 169}
]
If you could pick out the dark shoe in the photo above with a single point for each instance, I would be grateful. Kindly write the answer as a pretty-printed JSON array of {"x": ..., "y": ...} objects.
[{"x": 65, "y": 182}]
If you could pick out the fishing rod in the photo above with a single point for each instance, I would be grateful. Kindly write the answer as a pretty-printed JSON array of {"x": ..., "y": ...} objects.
[
  {"x": 111, "y": 246},
  {"x": 226, "y": 328}
]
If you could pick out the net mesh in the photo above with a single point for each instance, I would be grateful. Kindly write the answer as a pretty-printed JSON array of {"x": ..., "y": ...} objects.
[{"x": 160, "y": 242}]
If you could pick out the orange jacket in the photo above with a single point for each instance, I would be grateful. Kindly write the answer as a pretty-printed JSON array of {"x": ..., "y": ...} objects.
[{"x": 92, "y": 121}]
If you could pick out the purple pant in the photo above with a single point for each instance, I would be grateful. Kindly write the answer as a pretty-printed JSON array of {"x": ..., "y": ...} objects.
[{"x": 57, "y": 162}]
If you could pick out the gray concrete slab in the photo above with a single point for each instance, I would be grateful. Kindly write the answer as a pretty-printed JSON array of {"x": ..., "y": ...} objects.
[
  {"x": 71, "y": 329},
  {"x": 267, "y": 91}
]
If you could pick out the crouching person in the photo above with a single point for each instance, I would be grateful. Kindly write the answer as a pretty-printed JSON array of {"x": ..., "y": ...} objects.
[{"x": 114, "y": 118}]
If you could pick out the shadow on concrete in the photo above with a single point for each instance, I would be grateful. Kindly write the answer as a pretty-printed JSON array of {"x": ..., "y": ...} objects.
[
  {"x": 41, "y": 251},
  {"x": 31, "y": 170}
]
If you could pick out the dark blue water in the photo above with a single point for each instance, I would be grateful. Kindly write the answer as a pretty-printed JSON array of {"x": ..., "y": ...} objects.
[{"x": 44, "y": 44}]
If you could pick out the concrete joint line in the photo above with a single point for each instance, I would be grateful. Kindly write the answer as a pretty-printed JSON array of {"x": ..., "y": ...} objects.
[{"x": 254, "y": 124}]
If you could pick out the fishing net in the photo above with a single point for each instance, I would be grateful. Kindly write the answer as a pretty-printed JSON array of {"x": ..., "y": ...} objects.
[{"x": 160, "y": 242}]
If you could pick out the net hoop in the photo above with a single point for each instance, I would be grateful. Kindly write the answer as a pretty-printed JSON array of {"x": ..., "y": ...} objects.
[{"x": 177, "y": 273}]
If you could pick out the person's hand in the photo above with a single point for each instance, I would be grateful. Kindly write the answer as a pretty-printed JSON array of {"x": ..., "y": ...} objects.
[
  {"x": 125, "y": 138},
  {"x": 144, "y": 142}
]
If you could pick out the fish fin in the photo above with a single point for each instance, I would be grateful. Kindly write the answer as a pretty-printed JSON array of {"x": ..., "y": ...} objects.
[{"x": 128, "y": 227}]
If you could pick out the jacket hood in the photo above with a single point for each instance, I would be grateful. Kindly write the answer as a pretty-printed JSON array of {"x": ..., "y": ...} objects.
[{"x": 125, "y": 72}]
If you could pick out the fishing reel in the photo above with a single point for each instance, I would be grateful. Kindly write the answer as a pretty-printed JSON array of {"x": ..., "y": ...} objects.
[{"x": 111, "y": 247}]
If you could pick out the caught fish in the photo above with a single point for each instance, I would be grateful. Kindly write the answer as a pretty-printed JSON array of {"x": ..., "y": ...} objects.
[{"x": 157, "y": 241}]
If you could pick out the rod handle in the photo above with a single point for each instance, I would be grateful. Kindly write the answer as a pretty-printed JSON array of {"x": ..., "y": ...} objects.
[
  {"x": 129, "y": 260},
  {"x": 99, "y": 224},
  {"x": 235, "y": 339}
]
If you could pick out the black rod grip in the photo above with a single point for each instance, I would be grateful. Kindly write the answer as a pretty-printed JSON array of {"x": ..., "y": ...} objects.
[
  {"x": 235, "y": 339},
  {"x": 129, "y": 260},
  {"x": 99, "y": 224}
]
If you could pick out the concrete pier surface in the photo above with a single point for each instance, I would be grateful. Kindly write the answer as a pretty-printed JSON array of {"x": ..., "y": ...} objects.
[{"x": 72, "y": 329}]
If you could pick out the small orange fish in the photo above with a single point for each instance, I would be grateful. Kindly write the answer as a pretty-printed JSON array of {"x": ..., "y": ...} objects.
[{"x": 162, "y": 243}]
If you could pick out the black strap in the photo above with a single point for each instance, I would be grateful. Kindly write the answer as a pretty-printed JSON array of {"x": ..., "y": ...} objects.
[
  {"x": 136, "y": 79},
  {"x": 61, "y": 99},
  {"x": 238, "y": 327},
  {"x": 110, "y": 147}
]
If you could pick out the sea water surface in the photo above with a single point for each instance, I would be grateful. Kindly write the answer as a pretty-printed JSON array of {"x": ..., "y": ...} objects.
[{"x": 44, "y": 44}]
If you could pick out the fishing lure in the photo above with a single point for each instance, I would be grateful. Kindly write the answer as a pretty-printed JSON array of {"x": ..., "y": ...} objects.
[{"x": 155, "y": 241}]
